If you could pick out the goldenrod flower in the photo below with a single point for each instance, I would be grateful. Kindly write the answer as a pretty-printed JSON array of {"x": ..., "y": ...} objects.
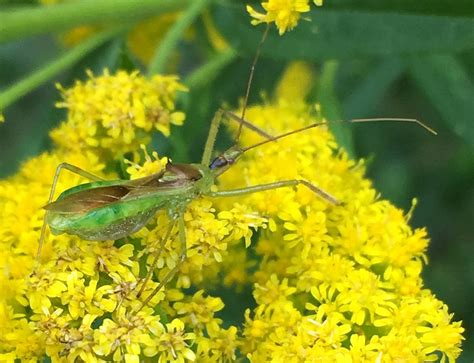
[
  {"x": 199, "y": 312},
  {"x": 285, "y": 13},
  {"x": 119, "y": 123},
  {"x": 356, "y": 267},
  {"x": 173, "y": 343},
  {"x": 334, "y": 283}
]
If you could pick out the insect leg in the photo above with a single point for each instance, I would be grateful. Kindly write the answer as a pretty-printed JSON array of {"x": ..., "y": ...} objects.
[
  {"x": 276, "y": 185},
  {"x": 182, "y": 258},
  {"x": 157, "y": 256},
  {"x": 74, "y": 169},
  {"x": 211, "y": 138}
]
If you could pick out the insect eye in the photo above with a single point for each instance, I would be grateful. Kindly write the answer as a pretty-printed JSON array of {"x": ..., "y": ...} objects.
[{"x": 218, "y": 162}]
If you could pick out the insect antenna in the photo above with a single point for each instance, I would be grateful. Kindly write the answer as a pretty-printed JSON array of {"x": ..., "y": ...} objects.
[
  {"x": 249, "y": 82},
  {"x": 352, "y": 121}
]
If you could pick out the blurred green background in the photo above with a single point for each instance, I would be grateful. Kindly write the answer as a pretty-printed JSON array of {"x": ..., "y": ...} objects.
[{"x": 371, "y": 59}]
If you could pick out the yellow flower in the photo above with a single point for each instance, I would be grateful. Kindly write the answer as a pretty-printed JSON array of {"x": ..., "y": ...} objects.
[
  {"x": 119, "y": 124},
  {"x": 237, "y": 269},
  {"x": 128, "y": 335},
  {"x": 285, "y": 13},
  {"x": 331, "y": 282},
  {"x": 221, "y": 345},
  {"x": 296, "y": 81},
  {"x": 272, "y": 291},
  {"x": 360, "y": 261},
  {"x": 151, "y": 165},
  {"x": 80, "y": 298},
  {"x": 199, "y": 312},
  {"x": 173, "y": 345}
]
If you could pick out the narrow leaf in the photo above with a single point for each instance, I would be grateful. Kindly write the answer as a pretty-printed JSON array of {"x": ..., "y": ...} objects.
[
  {"x": 365, "y": 97},
  {"x": 330, "y": 107},
  {"x": 32, "y": 20},
  {"x": 448, "y": 86},
  {"x": 50, "y": 70},
  {"x": 172, "y": 37},
  {"x": 332, "y": 34}
]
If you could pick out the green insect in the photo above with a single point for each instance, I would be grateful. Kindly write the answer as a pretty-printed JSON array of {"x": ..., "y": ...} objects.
[{"x": 110, "y": 210}]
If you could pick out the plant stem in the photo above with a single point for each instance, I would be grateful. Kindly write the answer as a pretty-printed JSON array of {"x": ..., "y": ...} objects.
[
  {"x": 36, "y": 20},
  {"x": 208, "y": 71},
  {"x": 172, "y": 37},
  {"x": 37, "y": 78}
]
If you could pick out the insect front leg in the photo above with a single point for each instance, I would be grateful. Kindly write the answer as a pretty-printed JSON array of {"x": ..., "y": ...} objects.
[
  {"x": 211, "y": 136},
  {"x": 73, "y": 169},
  {"x": 276, "y": 185},
  {"x": 174, "y": 270},
  {"x": 157, "y": 256}
]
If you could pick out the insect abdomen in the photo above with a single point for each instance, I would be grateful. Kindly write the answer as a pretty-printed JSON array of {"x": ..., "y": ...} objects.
[{"x": 114, "y": 221}]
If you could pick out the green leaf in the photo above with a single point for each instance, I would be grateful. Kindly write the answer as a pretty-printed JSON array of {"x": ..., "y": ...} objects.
[
  {"x": 351, "y": 34},
  {"x": 58, "y": 65},
  {"x": 174, "y": 34},
  {"x": 448, "y": 86},
  {"x": 440, "y": 7},
  {"x": 208, "y": 72},
  {"x": 364, "y": 98},
  {"x": 44, "y": 19}
]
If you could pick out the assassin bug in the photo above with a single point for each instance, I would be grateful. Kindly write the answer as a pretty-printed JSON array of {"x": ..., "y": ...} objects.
[{"x": 110, "y": 210}]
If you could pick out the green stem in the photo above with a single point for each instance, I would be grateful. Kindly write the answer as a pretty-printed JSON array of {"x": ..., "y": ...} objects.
[
  {"x": 34, "y": 80},
  {"x": 36, "y": 20},
  {"x": 207, "y": 72},
  {"x": 172, "y": 37}
]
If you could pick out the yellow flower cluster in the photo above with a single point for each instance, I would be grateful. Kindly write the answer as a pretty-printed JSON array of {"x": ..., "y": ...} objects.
[
  {"x": 116, "y": 113},
  {"x": 334, "y": 283},
  {"x": 81, "y": 303},
  {"x": 284, "y": 13},
  {"x": 331, "y": 283}
]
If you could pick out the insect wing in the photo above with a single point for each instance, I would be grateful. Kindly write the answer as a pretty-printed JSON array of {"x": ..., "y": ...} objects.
[{"x": 86, "y": 200}]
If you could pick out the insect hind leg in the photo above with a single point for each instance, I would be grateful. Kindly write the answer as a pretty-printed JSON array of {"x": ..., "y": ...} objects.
[
  {"x": 73, "y": 169},
  {"x": 157, "y": 257},
  {"x": 175, "y": 269}
]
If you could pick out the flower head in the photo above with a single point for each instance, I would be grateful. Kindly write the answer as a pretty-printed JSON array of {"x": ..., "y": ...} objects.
[
  {"x": 119, "y": 124},
  {"x": 285, "y": 13}
]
